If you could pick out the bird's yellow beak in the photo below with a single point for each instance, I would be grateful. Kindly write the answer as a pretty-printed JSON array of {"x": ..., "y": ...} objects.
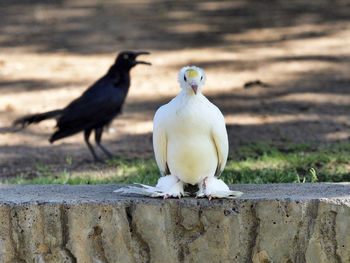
[{"x": 194, "y": 86}]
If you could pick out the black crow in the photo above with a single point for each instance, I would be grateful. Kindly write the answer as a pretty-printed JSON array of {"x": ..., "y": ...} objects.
[{"x": 96, "y": 107}]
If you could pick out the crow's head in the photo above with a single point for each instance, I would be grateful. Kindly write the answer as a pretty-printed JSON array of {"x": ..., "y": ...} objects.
[{"x": 127, "y": 59}]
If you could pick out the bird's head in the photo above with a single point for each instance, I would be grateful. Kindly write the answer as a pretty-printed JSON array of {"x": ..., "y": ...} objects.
[
  {"x": 191, "y": 79},
  {"x": 127, "y": 59}
]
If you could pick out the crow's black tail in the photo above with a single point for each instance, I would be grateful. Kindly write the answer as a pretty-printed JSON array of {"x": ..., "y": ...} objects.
[{"x": 35, "y": 118}]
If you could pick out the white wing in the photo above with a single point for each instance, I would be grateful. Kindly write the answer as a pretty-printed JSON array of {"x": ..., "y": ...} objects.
[
  {"x": 219, "y": 135},
  {"x": 160, "y": 141}
]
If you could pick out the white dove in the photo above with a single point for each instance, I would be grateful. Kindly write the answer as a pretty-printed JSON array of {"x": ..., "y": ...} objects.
[{"x": 190, "y": 143}]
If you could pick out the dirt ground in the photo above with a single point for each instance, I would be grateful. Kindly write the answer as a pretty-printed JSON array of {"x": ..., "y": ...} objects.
[{"x": 278, "y": 70}]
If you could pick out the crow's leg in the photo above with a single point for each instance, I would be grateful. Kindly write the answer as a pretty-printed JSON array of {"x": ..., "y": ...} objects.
[
  {"x": 98, "y": 136},
  {"x": 86, "y": 137}
]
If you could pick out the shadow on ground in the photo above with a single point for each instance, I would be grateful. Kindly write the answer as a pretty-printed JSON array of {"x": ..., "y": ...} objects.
[{"x": 90, "y": 27}]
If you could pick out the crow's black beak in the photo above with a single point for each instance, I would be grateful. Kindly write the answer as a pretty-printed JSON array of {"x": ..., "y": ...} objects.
[{"x": 140, "y": 61}]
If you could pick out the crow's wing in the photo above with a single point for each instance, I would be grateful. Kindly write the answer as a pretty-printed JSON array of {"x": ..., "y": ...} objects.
[{"x": 96, "y": 107}]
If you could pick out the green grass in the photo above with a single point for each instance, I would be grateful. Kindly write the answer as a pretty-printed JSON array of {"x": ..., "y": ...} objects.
[{"x": 254, "y": 163}]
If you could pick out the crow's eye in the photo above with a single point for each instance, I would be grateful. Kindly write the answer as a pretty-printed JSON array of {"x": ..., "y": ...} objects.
[
  {"x": 126, "y": 56},
  {"x": 185, "y": 78}
]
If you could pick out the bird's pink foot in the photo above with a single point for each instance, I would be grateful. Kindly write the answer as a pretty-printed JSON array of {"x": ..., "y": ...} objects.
[{"x": 204, "y": 182}]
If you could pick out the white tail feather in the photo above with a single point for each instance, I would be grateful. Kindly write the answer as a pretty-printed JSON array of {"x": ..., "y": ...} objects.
[{"x": 147, "y": 190}]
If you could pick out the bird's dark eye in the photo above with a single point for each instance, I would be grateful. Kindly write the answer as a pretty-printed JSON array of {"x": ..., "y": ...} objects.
[
  {"x": 126, "y": 56},
  {"x": 185, "y": 78},
  {"x": 201, "y": 77}
]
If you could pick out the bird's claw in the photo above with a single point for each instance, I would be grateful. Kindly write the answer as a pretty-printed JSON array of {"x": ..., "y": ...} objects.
[{"x": 203, "y": 195}]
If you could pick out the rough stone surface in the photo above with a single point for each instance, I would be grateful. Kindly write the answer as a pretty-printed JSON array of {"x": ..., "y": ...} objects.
[{"x": 281, "y": 223}]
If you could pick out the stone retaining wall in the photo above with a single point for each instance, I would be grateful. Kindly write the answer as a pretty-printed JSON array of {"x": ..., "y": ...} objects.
[{"x": 281, "y": 223}]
